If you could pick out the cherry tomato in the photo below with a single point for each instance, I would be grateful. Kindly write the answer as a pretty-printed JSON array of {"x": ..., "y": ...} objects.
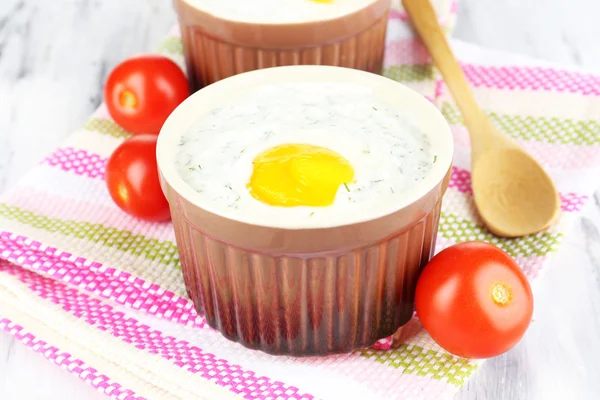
[
  {"x": 132, "y": 179},
  {"x": 141, "y": 92},
  {"x": 474, "y": 300}
]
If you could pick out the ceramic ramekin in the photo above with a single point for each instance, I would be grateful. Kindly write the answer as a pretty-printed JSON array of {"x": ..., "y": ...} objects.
[
  {"x": 311, "y": 291},
  {"x": 216, "y": 48}
]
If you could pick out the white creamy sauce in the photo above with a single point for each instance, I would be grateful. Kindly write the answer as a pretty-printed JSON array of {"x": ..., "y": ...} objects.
[
  {"x": 278, "y": 11},
  {"x": 388, "y": 153}
]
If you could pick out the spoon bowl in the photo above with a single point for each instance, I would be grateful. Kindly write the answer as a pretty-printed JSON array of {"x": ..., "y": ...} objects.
[{"x": 513, "y": 194}]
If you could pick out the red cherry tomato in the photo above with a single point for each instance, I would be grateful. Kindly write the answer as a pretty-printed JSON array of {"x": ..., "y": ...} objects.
[
  {"x": 141, "y": 92},
  {"x": 474, "y": 300},
  {"x": 132, "y": 179}
]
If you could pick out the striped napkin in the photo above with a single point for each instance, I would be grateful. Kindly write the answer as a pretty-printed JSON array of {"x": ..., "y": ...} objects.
[{"x": 101, "y": 294}]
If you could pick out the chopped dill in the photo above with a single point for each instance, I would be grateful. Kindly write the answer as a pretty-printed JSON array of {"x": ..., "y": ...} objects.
[
  {"x": 375, "y": 108},
  {"x": 434, "y": 159},
  {"x": 346, "y": 186},
  {"x": 228, "y": 187},
  {"x": 311, "y": 214},
  {"x": 392, "y": 189}
]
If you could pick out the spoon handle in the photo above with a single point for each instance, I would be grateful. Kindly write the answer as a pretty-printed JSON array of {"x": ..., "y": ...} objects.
[{"x": 426, "y": 23}]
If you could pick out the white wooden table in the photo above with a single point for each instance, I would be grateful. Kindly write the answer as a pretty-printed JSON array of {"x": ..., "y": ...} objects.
[{"x": 54, "y": 57}]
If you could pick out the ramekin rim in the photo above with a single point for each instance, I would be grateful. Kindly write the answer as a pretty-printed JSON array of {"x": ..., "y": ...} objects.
[
  {"x": 181, "y": 119},
  {"x": 275, "y": 24}
]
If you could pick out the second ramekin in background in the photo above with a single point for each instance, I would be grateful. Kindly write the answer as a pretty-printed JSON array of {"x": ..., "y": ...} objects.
[{"x": 218, "y": 45}]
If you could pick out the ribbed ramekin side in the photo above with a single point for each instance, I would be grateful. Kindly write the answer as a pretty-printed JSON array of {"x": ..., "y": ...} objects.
[
  {"x": 309, "y": 305},
  {"x": 210, "y": 59}
]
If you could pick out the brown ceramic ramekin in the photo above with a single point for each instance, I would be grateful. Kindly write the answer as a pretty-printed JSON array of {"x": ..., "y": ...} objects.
[
  {"x": 308, "y": 291},
  {"x": 216, "y": 48}
]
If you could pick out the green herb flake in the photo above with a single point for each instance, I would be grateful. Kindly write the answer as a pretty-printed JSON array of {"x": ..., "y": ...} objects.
[
  {"x": 346, "y": 186},
  {"x": 199, "y": 166},
  {"x": 392, "y": 189},
  {"x": 374, "y": 108},
  {"x": 228, "y": 187},
  {"x": 192, "y": 168},
  {"x": 434, "y": 159},
  {"x": 311, "y": 214}
]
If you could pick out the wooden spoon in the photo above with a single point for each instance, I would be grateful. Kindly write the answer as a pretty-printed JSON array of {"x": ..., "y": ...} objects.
[{"x": 513, "y": 193}]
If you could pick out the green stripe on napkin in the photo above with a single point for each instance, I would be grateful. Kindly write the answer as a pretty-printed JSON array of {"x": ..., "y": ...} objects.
[
  {"x": 417, "y": 360},
  {"x": 171, "y": 45},
  {"x": 461, "y": 230},
  {"x": 540, "y": 129},
  {"x": 106, "y": 127},
  {"x": 126, "y": 241},
  {"x": 410, "y": 73}
]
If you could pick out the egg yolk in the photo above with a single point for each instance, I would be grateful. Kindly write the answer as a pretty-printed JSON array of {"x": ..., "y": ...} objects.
[{"x": 291, "y": 175}]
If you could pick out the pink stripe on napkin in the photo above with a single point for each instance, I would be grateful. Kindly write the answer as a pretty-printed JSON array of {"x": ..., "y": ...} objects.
[
  {"x": 78, "y": 161},
  {"x": 410, "y": 51},
  {"x": 532, "y": 78},
  {"x": 107, "y": 282},
  {"x": 66, "y": 361},
  {"x": 181, "y": 353}
]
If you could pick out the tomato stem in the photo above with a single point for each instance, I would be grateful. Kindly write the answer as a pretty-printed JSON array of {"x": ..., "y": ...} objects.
[
  {"x": 128, "y": 99},
  {"x": 501, "y": 294}
]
